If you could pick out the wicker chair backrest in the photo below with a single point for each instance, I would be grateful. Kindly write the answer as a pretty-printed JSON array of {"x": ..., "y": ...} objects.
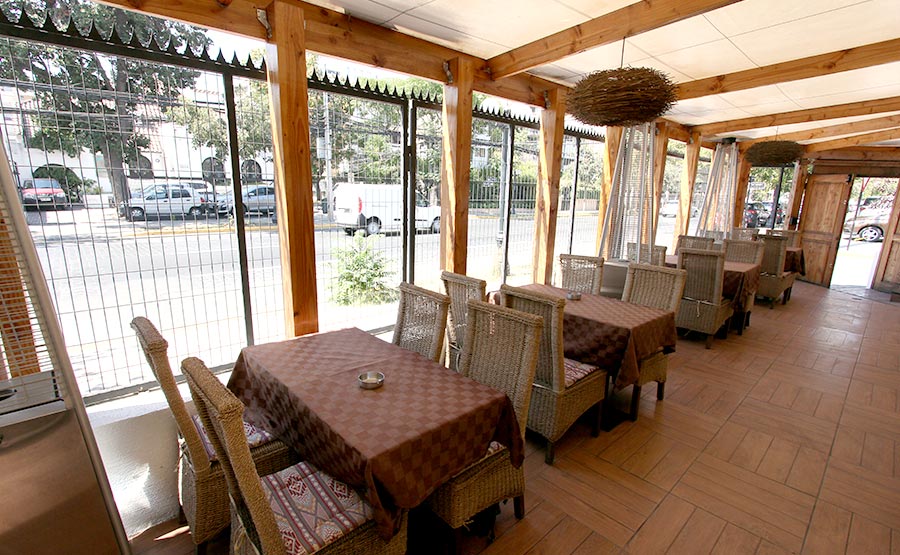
[
  {"x": 654, "y": 286},
  {"x": 650, "y": 254},
  {"x": 581, "y": 273},
  {"x": 501, "y": 350},
  {"x": 748, "y": 252},
  {"x": 774, "y": 253},
  {"x": 461, "y": 289},
  {"x": 705, "y": 274},
  {"x": 550, "y": 367},
  {"x": 693, "y": 242},
  {"x": 421, "y": 320}
]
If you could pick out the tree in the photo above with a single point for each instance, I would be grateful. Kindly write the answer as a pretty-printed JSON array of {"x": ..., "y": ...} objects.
[{"x": 89, "y": 101}]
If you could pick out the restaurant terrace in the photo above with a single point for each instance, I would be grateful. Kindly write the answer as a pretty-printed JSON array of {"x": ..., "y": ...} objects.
[{"x": 450, "y": 276}]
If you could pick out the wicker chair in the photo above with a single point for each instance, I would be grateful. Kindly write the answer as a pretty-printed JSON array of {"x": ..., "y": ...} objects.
[
  {"x": 271, "y": 511},
  {"x": 714, "y": 235},
  {"x": 657, "y": 287},
  {"x": 581, "y": 273},
  {"x": 500, "y": 350},
  {"x": 702, "y": 307},
  {"x": 655, "y": 254},
  {"x": 460, "y": 289},
  {"x": 421, "y": 321},
  {"x": 203, "y": 495},
  {"x": 563, "y": 389},
  {"x": 773, "y": 280},
  {"x": 693, "y": 242},
  {"x": 792, "y": 236},
  {"x": 747, "y": 252},
  {"x": 744, "y": 234}
]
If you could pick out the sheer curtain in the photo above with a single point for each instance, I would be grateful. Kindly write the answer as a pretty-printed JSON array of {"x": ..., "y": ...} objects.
[
  {"x": 629, "y": 216},
  {"x": 717, "y": 215}
]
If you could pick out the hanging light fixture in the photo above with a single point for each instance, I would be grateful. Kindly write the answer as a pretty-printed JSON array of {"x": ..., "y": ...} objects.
[
  {"x": 773, "y": 153},
  {"x": 622, "y": 97}
]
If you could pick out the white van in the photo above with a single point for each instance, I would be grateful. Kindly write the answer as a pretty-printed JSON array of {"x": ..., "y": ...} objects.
[{"x": 377, "y": 208}]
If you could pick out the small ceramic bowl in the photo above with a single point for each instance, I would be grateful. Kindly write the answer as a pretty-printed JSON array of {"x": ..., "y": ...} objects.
[
  {"x": 370, "y": 380},
  {"x": 573, "y": 296}
]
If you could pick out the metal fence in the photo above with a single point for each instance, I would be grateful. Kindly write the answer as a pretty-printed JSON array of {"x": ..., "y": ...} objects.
[{"x": 170, "y": 208}]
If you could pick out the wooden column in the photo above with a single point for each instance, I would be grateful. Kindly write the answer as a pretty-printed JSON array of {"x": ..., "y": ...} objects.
[
  {"x": 740, "y": 192},
  {"x": 547, "y": 193},
  {"x": 455, "y": 165},
  {"x": 286, "y": 63},
  {"x": 660, "y": 149},
  {"x": 15, "y": 322},
  {"x": 797, "y": 187},
  {"x": 686, "y": 193},
  {"x": 610, "y": 153}
]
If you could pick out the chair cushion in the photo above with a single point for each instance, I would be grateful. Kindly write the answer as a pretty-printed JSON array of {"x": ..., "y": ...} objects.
[
  {"x": 312, "y": 509},
  {"x": 256, "y": 436},
  {"x": 577, "y": 370}
]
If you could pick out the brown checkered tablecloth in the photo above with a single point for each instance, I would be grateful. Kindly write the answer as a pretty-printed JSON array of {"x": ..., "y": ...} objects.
[
  {"x": 612, "y": 334},
  {"x": 739, "y": 284},
  {"x": 395, "y": 444},
  {"x": 794, "y": 261}
]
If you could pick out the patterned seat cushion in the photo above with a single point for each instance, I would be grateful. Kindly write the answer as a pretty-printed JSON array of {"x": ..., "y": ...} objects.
[
  {"x": 312, "y": 509},
  {"x": 256, "y": 436},
  {"x": 577, "y": 370}
]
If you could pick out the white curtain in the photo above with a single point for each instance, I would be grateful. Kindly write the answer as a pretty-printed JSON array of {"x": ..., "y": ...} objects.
[
  {"x": 717, "y": 216},
  {"x": 632, "y": 203}
]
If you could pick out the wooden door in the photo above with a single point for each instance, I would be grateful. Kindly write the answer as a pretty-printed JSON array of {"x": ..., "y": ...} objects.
[
  {"x": 821, "y": 223},
  {"x": 887, "y": 276}
]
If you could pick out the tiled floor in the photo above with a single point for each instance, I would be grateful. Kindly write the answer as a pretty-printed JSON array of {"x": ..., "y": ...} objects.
[{"x": 785, "y": 440}]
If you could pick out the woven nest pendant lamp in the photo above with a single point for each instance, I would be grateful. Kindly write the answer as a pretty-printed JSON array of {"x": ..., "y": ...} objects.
[
  {"x": 773, "y": 153},
  {"x": 622, "y": 97}
]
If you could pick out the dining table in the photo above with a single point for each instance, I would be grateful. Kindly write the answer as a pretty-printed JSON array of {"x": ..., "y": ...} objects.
[
  {"x": 395, "y": 444},
  {"x": 612, "y": 334}
]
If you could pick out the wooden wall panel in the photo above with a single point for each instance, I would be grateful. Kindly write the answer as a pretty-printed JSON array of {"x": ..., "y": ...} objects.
[
  {"x": 824, "y": 208},
  {"x": 887, "y": 273}
]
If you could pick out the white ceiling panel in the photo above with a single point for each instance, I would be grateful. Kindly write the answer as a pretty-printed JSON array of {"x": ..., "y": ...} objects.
[
  {"x": 703, "y": 104},
  {"x": 754, "y": 97},
  {"x": 882, "y": 76},
  {"x": 596, "y": 8},
  {"x": 773, "y": 108},
  {"x": 706, "y": 117},
  {"x": 866, "y": 23},
  {"x": 677, "y": 36},
  {"x": 557, "y": 73},
  {"x": 508, "y": 22},
  {"x": 751, "y": 15},
  {"x": 403, "y": 5},
  {"x": 708, "y": 59},
  {"x": 445, "y": 36},
  {"x": 374, "y": 12}
]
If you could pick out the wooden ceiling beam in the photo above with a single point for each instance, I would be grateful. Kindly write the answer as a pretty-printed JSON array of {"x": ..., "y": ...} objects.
[
  {"x": 863, "y": 108},
  {"x": 792, "y": 70},
  {"x": 623, "y": 23},
  {"x": 860, "y": 153},
  {"x": 856, "y": 140},
  {"x": 873, "y": 124},
  {"x": 335, "y": 34}
]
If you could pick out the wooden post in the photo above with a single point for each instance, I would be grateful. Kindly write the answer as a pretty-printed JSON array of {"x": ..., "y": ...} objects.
[
  {"x": 610, "y": 153},
  {"x": 286, "y": 63},
  {"x": 660, "y": 150},
  {"x": 797, "y": 187},
  {"x": 547, "y": 193},
  {"x": 686, "y": 193},
  {"x": 456, "y": 165},
  {"x": 740, "y": 190}
]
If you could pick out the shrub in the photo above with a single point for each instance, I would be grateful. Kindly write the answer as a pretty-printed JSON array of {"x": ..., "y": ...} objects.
[{"x": 361, "y": 273}]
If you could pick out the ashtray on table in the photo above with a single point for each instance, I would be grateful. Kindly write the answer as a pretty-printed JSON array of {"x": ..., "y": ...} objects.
[
  {"x": 370, "y": 380},
  {"x": 573, "y": 296}
]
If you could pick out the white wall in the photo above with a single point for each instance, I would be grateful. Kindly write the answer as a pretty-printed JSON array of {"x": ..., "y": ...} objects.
[{"x": 138, "y": 441}]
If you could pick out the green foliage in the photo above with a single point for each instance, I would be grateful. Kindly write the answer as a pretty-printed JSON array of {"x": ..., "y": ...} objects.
[{"x": 361, "y": 273}]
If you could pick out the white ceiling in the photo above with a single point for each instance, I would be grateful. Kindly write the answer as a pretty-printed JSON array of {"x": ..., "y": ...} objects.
[{"x": 745, "y": 35}]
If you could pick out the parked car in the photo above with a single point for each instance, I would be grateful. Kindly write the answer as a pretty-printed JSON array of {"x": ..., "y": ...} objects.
[
  {"x": 376, "y": 208},
  {"x": 754, "y": 213},
  {"x": 869, "y": 225},
  {"x": 258, "y": 199},
  {"x": 167, "y": 199},
  {"x": 779, "y": 215},
  {"x": 44, "y": 193},
  {"x": 670, "y": 210}
]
